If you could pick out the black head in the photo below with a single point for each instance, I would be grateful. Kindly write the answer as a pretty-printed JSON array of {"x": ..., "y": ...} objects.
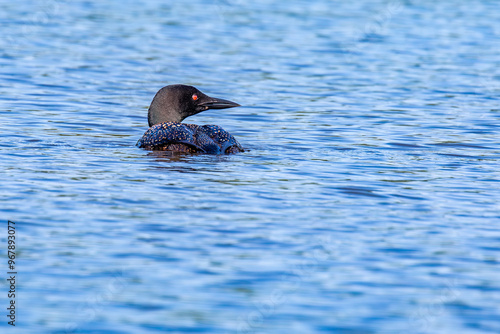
[{"x": 176, "y": 102}]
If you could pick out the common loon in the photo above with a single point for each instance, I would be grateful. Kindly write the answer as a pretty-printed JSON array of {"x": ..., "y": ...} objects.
[{"x": 170, "y": 106}]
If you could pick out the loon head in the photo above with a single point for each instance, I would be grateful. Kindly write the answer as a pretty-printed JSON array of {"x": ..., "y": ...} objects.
[{"x": 174, "y": 103}]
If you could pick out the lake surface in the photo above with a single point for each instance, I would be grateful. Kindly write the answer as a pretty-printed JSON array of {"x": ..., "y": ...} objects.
[{"x": 367, "y": 201}]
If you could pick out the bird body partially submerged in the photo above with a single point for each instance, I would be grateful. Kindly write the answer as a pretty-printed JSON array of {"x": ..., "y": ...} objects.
[
  {"x": 189, "y": 138},
  {"x": 170, "y": 106}
]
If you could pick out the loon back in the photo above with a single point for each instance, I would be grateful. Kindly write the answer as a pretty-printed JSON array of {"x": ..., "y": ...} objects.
[{"x": 189, "y": 138}]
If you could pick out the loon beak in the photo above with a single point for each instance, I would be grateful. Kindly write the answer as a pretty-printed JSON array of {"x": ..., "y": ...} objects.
[{"x": 214, "y": 103}]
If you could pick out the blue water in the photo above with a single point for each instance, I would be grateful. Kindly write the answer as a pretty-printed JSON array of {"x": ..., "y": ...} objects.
[{"x": 367, "y": 201}]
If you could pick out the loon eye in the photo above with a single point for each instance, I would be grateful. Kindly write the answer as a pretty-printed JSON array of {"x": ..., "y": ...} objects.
[{"x": 195, "y": 97}]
